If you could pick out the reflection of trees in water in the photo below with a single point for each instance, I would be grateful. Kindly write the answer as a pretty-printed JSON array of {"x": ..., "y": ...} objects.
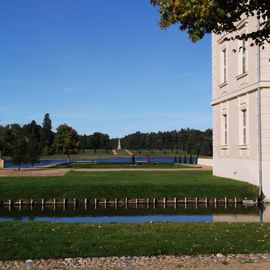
[{"x": 25, "y": 214}]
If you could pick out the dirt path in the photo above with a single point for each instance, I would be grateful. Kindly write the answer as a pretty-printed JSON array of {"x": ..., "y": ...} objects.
[
  {"x": 143, "y": 169},
  {"x": 114, "y": 152},
  {"x": 203, "y": 262},
  {"x": 129, "y": 152},
  {"x": 199, "y": 266},
  {"x": 34, "y": 172},
  {"x": 63, "y": 171}
]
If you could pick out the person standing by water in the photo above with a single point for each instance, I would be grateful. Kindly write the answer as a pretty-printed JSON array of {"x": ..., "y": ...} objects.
[
  {"x": 133, "y": 159},
  {"x": 148, "y": 158}
]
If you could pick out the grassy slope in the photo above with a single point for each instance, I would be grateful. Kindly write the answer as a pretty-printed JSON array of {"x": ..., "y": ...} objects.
[
  {"x": 159, "y": 153},
  {"x": 125, "y": 184},
  {"x": 102, "y": 153},
  {"x": 49, "y": 240}
]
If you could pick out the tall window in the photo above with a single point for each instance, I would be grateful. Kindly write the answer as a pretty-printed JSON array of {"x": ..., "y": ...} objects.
[
  {"x": 224, "y": 56},
  {"x": 225, "y": 119},
  {"x": 244, "y": 126},
  {"x": 244, "y": 57}
]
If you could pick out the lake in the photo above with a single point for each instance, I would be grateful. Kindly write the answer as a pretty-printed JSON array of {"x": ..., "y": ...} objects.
[{"x": 9, "y": 164}]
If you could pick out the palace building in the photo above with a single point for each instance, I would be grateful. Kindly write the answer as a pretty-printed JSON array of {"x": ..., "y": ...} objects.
[{"x": 241, "y": 108}]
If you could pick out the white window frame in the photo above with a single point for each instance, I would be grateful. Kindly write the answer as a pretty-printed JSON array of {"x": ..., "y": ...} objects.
[
  {"x": 243, "y": 57},
  {"x": 224, "y": 129},
  {"x": 224, "y": 65},
  {"x": 243, "y": 51},
  {"x": 243, "y": 126}
]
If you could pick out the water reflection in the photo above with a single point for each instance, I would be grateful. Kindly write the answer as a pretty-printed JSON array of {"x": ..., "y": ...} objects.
[
  {"x": 135, "y": 215},
  {"x": 262, "y": 216},
  {"x": 193, "y": 160}
]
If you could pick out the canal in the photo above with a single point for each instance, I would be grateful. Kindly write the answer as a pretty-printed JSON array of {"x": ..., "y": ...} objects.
[{"x": 124, "y": 214}]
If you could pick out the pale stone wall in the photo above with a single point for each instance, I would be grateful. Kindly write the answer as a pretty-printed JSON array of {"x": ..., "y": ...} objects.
[
  {"x": 265, "y": 101},
  {"x": 235, "y": 159},
  {"x": 236, "y": 218},
  {"x": 236, "y": 81},
  {"x": 234, "y": 149},
  {"x": 265, "y": 93},
  {"x": 245, "y": 170},
  {"x": 2, "y": 163},
  {"x": 265, "y": 63},
  {"x": 205, "y": 162}
]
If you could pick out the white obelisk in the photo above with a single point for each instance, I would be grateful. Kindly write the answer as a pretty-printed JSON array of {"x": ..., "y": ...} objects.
[{"x": 119, "y": 144}]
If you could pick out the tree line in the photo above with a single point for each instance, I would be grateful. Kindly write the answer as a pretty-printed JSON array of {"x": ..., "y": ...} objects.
[
  {"x": 191, "y": 141},
  {"x": 27, "y": 143}
]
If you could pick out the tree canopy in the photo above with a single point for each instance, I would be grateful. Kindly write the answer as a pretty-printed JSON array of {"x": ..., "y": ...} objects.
[
  {"x": 66, "y": 140},
  {"x": 199, "y": 17},
  {"x": 47, "y": 135},
  {"x": 191, "y": 141}
]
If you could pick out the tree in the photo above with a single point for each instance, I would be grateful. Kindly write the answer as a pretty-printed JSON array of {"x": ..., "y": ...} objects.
[
  {"x": 83, "y": 142},
  {"x": 2, "y": 142},
  {"x": 188, "y": 140},
  {"x": 46, "y": 135},
  {"x": 33, "y": 152},
  {"x": 32, "y": 131},
  {"x": 207, "y": 144},
  {"x": 100, "y": 141},
  {"x": 19, "y": 149},
  {"x": 66, "y": 140},
  {"x": 10, "y": 135},
  {"x": 199, "y": 17}
]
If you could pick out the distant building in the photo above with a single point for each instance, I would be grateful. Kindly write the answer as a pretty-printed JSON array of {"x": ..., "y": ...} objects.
[
  {"x": 241, "y": 108},
  {"x": 119, "y": 144}
]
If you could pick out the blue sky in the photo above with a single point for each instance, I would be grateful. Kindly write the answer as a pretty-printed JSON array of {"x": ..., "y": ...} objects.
[{"x": 100, "y": 66}]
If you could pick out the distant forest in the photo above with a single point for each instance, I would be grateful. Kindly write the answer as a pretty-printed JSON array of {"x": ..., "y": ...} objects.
[
  {"x": 28, "y": 142},
  {"x": 188, "y": 140},
  {"x": 192, "y": 141}
]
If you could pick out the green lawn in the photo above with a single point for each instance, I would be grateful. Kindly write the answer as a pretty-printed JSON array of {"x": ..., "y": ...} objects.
[
  {"x": 133, "y": 184},
  {"x": 102, "y": 153},
  {"x": 122, "y": 153},
  {"x": 159, "y": 153},
  {"x": 56, "y": 240}
]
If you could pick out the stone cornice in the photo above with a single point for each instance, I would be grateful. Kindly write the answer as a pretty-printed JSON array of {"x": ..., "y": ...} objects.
[{"x": 240, "y": 92}]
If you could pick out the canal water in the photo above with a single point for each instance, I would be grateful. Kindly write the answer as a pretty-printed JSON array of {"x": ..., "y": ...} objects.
[
  {"x": 133, "y": 215},
  {"x": 9, "y": 164}
]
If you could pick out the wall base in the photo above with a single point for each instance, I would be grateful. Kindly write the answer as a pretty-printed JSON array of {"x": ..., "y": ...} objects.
[
  {"x": 243, "y": 170},
  {"x": 2, "y": 163}
]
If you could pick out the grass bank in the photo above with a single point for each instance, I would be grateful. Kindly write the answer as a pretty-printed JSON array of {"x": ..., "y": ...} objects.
[
  {"x": 158, "y": 152},
  {"x": 102, "y": 153},
  {"x": 132, "y": 184},
  {"x": 49, "y": 240}
]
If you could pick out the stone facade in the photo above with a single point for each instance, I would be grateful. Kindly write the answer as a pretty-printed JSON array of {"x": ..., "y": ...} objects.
[
  {"x": 238, "y": 71},
  {"x": 2, "y": 163}
]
